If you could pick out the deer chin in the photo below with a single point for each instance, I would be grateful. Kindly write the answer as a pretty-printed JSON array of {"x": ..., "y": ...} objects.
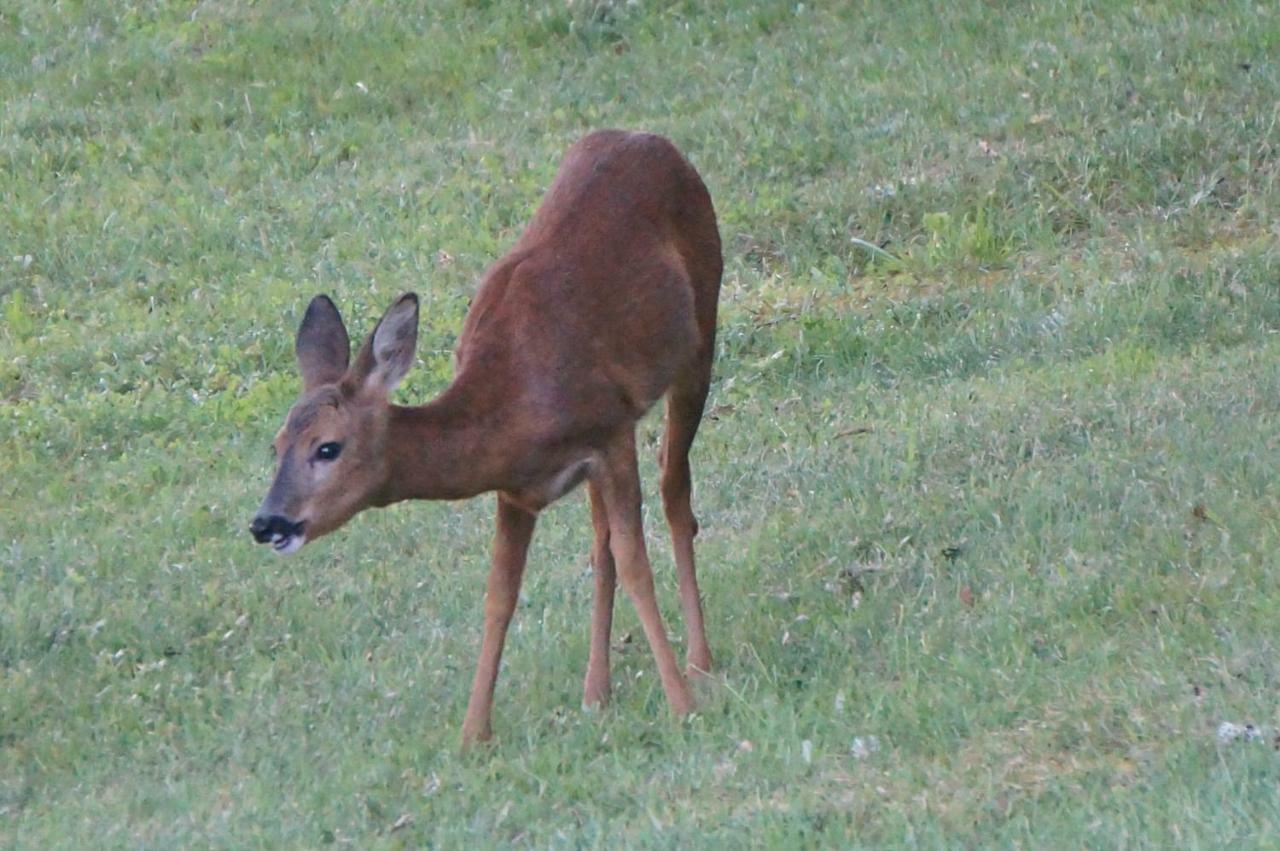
[{"x": 286, "y": 545}]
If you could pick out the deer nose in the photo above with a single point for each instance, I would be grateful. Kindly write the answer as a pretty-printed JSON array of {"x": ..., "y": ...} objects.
[{"x": 266, "y": 529}]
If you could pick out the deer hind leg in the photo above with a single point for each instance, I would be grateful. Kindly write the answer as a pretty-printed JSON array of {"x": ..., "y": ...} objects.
[
  {"x": 619, "y": 482},
  {"x": 595, "y": 689},
  {"x": 684, "y": 413},
  {"x": 510, "y": 546}
]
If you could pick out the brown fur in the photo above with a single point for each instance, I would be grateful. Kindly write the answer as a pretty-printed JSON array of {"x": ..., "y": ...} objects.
[{"x": 606, "y": 303}]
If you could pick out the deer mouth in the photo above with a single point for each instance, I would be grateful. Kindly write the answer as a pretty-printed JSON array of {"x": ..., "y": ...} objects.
[
  {"x": 285, "y": 536},
  {"x": 287, "y": 544}
]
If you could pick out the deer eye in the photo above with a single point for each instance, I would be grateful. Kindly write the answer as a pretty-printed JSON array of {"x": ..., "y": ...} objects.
[{"x": 328, "y": 451}]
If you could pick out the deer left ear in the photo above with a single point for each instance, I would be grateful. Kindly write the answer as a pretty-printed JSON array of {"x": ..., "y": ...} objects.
[
  {"x": 387, "y": 355},
  {"x": 322, "y": 347}
]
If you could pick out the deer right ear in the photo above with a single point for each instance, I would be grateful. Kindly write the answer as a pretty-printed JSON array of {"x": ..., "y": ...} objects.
[
  {"x": 387, "y": 355},
  {"x": 322, "y": 345}
]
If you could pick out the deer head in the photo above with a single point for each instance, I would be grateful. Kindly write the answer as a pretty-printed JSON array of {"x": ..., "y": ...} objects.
[{"x": 331, "y": 459}]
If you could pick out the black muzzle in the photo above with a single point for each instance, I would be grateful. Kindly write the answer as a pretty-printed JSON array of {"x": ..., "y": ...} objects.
[{"x": 266, "y": 530}]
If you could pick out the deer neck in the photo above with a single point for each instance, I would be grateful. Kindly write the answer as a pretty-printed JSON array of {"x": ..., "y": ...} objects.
[{"x": 441, "y": 450}]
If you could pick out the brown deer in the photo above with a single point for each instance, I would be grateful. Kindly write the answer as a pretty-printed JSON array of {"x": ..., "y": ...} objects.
[{"x": 606, "y": 302}]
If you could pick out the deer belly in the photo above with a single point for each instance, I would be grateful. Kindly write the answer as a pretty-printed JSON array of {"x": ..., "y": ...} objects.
[{"x": 538, "y": 496}]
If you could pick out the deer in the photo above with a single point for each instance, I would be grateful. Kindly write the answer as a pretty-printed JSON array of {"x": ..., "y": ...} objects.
[{"x": 605, "y": 304}]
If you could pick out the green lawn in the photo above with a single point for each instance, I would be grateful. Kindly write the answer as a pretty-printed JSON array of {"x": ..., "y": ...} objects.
[{"x": 989, "y": 472}]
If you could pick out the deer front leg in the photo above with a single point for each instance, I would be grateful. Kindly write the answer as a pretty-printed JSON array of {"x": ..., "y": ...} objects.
[
  {"x": 595, "y": 689},
  {"x": 510, "y": 546}
]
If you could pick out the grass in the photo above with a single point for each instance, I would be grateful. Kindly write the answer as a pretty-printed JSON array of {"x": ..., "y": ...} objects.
[{"x": 988, "y": 475}]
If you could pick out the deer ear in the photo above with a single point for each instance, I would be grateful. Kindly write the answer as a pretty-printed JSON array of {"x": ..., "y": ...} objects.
[
  {"x": 322, "y": 345},
  {"x": 387, "y": 355}
]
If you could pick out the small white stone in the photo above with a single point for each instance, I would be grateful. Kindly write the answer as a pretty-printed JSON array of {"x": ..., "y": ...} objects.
[
  {"x": 864, "y": 746},
  {"x": 1229, "y": 732}
]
